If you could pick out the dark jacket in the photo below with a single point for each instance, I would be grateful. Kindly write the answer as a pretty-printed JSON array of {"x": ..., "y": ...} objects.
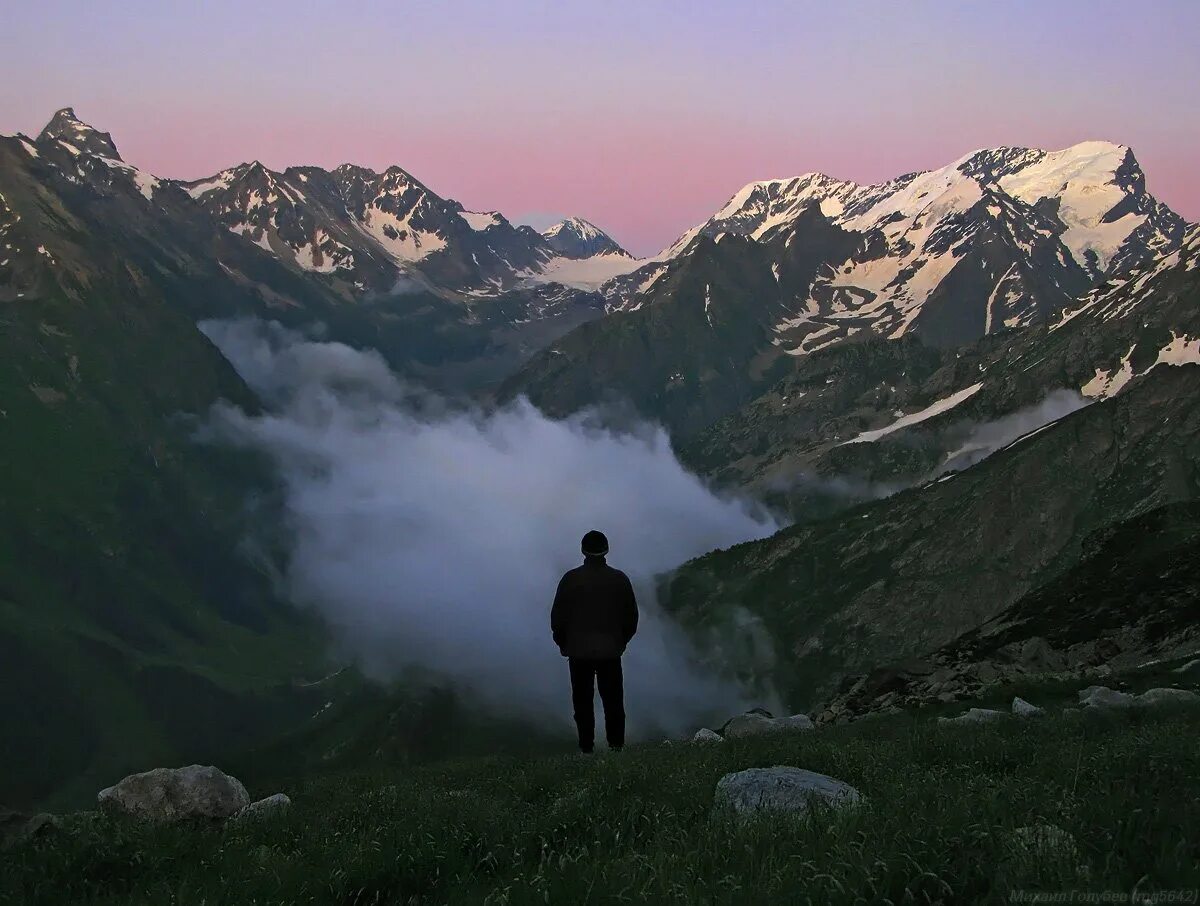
[{"x": 595, "y": 612}]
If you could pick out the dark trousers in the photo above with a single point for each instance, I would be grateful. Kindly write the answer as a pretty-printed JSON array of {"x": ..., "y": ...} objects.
[{"x": 605, "y": 673}]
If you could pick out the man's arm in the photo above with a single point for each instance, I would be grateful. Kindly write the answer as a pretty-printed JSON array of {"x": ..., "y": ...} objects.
[
  {"x": 558, "y": 612},
  {"x": 630, "y": 611}
]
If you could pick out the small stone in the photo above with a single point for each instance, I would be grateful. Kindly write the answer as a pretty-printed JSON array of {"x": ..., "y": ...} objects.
[
  {"x": 1101, "y": 697},
  {"x": 1165, "y": 696},
  {"x": 795, "y": 722},
  {"x": 753, "y": 723},
  {"x": 1022, "y": 708},
  {"x": 973, "y": 716},
  {"x": 706, "y": 735},
  {"x": 986, "y": 673},
  {"x": 271, "y": 805}
]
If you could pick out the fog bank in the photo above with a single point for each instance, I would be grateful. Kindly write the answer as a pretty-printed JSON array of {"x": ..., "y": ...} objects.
[{"x": 434, "y": 536}]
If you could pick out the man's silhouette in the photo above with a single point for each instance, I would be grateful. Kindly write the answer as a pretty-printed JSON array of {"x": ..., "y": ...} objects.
[{"x": 594, "y": 616}]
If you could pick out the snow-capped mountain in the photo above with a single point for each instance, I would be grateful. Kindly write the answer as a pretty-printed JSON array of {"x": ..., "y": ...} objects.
[
  {"x": 68, "y": 128},
  {"x": 1095, "y": 190},
  {"x": 576, "y": 238},
  {"x": 367, "y": 230},
  {"x": 456, "y": 297},
  {"x": 997, "y": 239}
]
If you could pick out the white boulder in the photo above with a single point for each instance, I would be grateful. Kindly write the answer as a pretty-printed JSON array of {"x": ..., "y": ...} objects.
[
  {"x": 780, "y": 789},
  {"x": 1103, "y": 698},
  {"x": 706, "y": 735},
  {"x": 1022, "y": 708},
  {"x": 1164, "y": 696},
  {"x": 974, "y": 716},
  {"x": 754, "y": 723},
  {"x": 171, "y": 794},
  {"x": 271, "y": 805}
]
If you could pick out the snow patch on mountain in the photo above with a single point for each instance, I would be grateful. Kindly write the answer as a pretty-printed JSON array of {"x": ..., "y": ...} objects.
[
  {"x": 480, "y": 220},
  {"x": 1083, "y": 180},
  {"x": 584, "y": 273},
  {"x": 915, "y": 418},
  {"x": 1180, "y": 351}
]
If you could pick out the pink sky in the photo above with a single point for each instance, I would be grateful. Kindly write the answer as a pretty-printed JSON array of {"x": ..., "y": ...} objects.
[{"x": 642, "y": 117}]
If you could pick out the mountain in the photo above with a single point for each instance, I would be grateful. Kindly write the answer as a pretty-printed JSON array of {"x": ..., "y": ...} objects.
[
  {"x": 133, "y": 626},
  {"x": 1129, "y": 602},
  {"x": 899, "y": 576},
  {"x": 576, "y": 238},
  {"x": 64, "y": 126},
  {"x": 702, "y": 342},
  {"x": 138, "y": 621},
  {"x": 386, "y": 233},
  {"x": 367, "y": 230},
  {"x": 1021, "y": 386},
  {"x": 799, "y": 434},
  {"x": 998, "y": 240}
]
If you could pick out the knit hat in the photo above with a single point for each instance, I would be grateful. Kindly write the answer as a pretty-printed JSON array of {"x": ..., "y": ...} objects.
[{"x": 594, "y": 544}]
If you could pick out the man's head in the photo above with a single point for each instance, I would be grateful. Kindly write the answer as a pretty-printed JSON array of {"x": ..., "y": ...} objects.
[{"x": 594, "y": 544}]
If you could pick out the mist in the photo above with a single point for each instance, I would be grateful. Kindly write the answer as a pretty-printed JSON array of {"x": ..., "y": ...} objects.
[
  {"x": 981, "y": 440},
  {"x": 432, "y": 535}
]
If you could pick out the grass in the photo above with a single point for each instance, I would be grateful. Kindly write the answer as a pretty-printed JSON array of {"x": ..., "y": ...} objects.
[{"x": 636, "y": 826}]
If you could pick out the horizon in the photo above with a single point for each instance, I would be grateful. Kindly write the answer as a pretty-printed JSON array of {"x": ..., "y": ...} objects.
[{"x": 496, "y": 134}]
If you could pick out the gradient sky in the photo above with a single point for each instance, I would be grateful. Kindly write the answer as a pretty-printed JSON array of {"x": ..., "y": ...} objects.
[{"x": 643, "y": 117}]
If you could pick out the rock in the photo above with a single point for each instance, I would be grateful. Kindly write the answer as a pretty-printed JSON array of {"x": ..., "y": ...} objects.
[
  {"x": 753, "y": 723},
  {"x": 986, "y": 673},
  {"x": 1101, "y": 697},
  {"x": 272, "y": 805},
  {"x": 1022, "y": 708},
  {"x": 1036, "y": 655},
  {"x": 169, "y": 794},
  {"x": 706, "y": 735},
  {"x": 748, "y": 724},
  {"x": 795, "y": 722},
  {"x": 974, "y": 716},
  {"x": 1163, "y": 696},
  {"x": 780, "y": 789}
]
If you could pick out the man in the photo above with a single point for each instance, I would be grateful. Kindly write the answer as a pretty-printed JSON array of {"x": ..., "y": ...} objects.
[{"x": 593, "y": 618}]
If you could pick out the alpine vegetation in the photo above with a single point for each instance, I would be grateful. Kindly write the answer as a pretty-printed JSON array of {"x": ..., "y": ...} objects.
[{"x": 392, "y": 492}]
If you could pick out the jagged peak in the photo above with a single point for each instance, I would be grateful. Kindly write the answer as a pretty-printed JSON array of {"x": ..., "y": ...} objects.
[
  {"x": 355, "y": 170},
  {"x": 65, "y": 126},
  {"x": 575, "y": 237},
  {"x": 577, "y": 225}
]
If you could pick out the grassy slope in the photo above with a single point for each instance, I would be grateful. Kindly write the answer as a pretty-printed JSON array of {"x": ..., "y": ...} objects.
[
  {"x": 132, "y": 628},
  {"x": 902, "y": 576},
  {"x": 636, "y": 826}
]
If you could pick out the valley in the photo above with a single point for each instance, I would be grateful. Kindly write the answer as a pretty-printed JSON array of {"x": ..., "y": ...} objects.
[{"x": 914, "y": 409}]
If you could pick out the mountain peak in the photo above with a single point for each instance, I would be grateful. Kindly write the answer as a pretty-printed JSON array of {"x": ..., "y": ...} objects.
[
  {"x": 575, "y": 237},
  {"x": 65, "y": 126}
]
